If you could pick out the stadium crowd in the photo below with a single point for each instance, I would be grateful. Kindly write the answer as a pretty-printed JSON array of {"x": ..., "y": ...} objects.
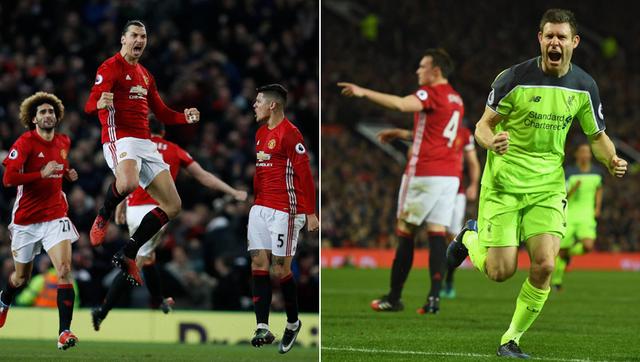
[
  {"x": 207, "y": 54},
  {"x": 383, "y": 54}
]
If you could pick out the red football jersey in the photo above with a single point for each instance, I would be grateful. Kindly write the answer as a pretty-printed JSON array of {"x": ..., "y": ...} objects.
[
  {"x": 38, "y": 199},
  {"x": 174, "y": 156},
  {"x": 435, "y": 129},
  {"x": 463, "y": 143},
  {"x": 283, "y": 179},
  {"x": 134, "y": 93}
]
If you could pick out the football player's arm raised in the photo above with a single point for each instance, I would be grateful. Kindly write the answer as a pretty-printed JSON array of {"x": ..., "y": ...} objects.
[
  {"x": 496, "y": 142},
  {"x": 388, "y": 135},
  {"x": 605, "y": 152},
  {"x": 167, "y": 115},
  {"x": 209, "y": 180},
  {"x": 409, "y": 103},
  {"x": 101, "y": 95}
]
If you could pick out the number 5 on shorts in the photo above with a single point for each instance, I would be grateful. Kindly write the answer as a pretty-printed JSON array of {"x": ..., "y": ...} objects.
[{"x": 281, "y": 240}]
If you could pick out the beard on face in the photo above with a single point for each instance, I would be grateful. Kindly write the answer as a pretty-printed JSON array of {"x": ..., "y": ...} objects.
[{"x": 44, "y": 125}]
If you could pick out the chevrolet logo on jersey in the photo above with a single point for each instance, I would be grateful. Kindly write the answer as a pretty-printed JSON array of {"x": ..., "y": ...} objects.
[
  {"x": 137, "y": 92},
  {"x": 261, "y": 156}
]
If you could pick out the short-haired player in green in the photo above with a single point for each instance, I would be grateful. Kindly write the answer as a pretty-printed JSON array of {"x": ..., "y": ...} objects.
[
  {"x": 584, "y": 194},
  {"x": 523, "y": 196}
]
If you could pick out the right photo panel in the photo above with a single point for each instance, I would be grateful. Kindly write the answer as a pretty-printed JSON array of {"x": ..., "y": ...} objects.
[{"x": 479, "y": 180}]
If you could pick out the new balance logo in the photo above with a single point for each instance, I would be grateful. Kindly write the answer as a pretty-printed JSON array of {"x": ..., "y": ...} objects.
[
  {"x": 40, "y": 155},
  {"x": 535, "y": 99},
  {"x": 533, "y": 309},
  {"x": 127, "y": 77}
]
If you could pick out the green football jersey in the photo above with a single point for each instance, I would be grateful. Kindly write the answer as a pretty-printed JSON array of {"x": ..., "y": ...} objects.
[
  {"x": 538, "y": 110},
  {"x": 582, "y": 202}
]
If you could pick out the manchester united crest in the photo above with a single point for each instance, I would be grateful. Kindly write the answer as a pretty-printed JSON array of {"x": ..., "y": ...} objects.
[
  {"x": 271, "y": 144},
  {"x": 63, "y": 154},
  {"x": 146, "y": 80}
]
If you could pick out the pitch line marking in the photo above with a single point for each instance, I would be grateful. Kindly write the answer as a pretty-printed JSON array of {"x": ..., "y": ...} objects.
[{"x": 449, "y": 354}]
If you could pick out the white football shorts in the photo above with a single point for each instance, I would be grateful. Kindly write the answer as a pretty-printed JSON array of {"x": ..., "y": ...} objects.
[
  {"x": 143, "y": 151},
  {"x": 27, "y": 241},
  {"x": 134, "y": 217},
  {"x": 427, "y": 198},
  {"x": 458, "y": 214},
  {"x": 274, "y": 230}
]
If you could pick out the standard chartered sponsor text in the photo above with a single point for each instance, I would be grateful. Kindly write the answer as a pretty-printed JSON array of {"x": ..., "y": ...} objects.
[{"x": 561, "y": 121}]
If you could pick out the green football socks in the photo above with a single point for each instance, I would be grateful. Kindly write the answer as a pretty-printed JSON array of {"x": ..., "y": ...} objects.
[
  {"x": 477, "y": 253},
  {"x": 558, "y": 273},
  {"x": 528, "y": 306},
  {"x": 576, "y": 249},
  {"x": 561, "y": 264}
]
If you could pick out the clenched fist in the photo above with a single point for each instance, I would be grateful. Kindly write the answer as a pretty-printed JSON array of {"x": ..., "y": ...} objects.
[
  {"x": 106, "y": 100},
  {"x": 617, "y": 166},
  {"x": 192, "y": 115},
  {"x": 50, "y": 168},
  {"x": 71, "y": 175},
  {"x": 500, "y": 143}
]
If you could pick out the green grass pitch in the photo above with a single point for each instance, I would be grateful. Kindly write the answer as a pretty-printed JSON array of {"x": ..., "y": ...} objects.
[
  {"x": 44, "y": 350},
  {"x": 595, "y": 318}
]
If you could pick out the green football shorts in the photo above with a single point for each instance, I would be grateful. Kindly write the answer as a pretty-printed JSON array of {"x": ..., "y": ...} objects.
[
  {"x": 579, "y": 231},
  {"x": 506, "y": 219}
]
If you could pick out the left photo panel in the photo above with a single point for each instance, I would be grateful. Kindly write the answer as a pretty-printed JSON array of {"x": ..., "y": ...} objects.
[{"x": 159, "y": 180}]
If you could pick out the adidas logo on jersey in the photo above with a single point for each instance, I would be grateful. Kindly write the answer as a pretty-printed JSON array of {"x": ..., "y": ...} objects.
[
  {"x": 127, "y": 77},
  {"x": 40, "y": 155}
]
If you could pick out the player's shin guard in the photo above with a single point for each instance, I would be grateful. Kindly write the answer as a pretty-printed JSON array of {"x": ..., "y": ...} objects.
[
  {"x": 9, "y": 292},
  {"x": 290, "y": 294},
  {"x": 152, "y": 278},
  {"x": 261, "y": 295},
  {"x": 111, "y": 200},
  {"x": 437, "y": 261},
  {"x": 528, "y": 306},
  {"x": 151, "y": 223},
  {"x": 66, "y": 296},
  {"x": 118, "y": 286},
  {"x": 477, "y": 252},
  {"x": 401, "y": 264}
]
